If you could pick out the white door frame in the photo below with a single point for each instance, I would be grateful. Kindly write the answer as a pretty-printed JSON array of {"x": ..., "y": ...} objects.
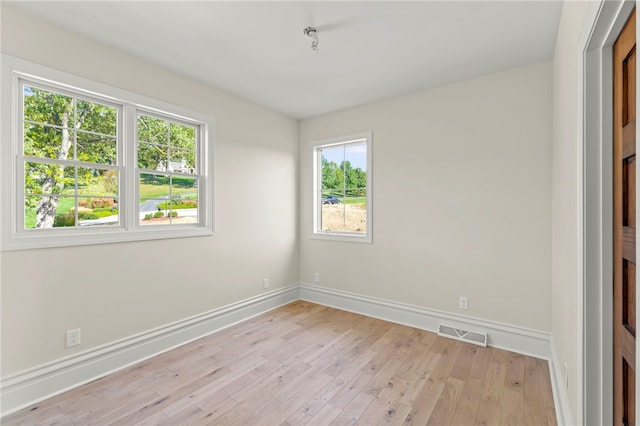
[{"x": 603, "y": 23}]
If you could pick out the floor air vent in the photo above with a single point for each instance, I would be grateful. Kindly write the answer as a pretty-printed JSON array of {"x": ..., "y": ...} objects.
[{"x": 462, "y": 335}]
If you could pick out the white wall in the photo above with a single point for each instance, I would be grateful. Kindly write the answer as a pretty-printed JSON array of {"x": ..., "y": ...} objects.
[
  {"x": 461, "y": 199},
  {"x": 117, "y": 290},
  {"x": 462, "y": 206},
  {"x": 564, "y": 248}
]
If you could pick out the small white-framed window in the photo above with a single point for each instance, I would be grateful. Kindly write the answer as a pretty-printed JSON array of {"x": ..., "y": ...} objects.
[
  {"x": 342, "y": 202},
  {"x": 88, "y": 163}
]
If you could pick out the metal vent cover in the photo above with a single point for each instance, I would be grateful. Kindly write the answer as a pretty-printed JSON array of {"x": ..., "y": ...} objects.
[{"x": 451, "y": 332}]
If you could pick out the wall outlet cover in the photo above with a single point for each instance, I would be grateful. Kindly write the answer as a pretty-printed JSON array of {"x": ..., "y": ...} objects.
[
  {"x": 73, "y": 337},
  {"x": 463, "y": 302}
]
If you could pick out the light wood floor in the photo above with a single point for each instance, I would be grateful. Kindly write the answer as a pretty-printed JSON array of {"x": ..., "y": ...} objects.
[{"x": 309, "y": 364}]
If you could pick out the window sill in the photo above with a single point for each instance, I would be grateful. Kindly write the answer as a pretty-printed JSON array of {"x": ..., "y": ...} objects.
[
  {"x": 23, "y": 241},
  {"x": 342, "y": 237}
]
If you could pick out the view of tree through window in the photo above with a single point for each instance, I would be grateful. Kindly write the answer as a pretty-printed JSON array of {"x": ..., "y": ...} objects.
[
  {"x": 168, "y": 185},
  {"x": 87, "y": 163},
  {"x": 71, "y": 164},
  {"x": 344, "y": 187},
  {"x": 70, "y": 160}
]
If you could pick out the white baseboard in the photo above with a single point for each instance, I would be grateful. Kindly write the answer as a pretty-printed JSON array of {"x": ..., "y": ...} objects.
[
  {"x": 28, "y": 387},
  {"x": 560, "y": 397},
  {"x": 503, "y": 336}
]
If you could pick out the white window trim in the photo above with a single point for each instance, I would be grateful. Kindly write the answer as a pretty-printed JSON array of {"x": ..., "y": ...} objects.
[
  {"x": 316, "y": 171},
  {"x": 13, "y": 238}
]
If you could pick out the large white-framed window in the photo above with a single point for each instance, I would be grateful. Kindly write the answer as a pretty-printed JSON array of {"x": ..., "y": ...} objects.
[
  {"x": 342, "y": 202},
  {"x": 86, "y": 163}
]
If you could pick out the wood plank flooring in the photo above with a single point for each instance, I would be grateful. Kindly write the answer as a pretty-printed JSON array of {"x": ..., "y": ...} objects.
[{"x": 306, "y": 364}]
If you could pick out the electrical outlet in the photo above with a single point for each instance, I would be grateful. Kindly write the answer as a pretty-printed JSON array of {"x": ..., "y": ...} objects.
[
  {"x": 566, "y": 375},
  {"x": 265, "y": 283},
  {"x": 316, "y": 277},
  {"x": 463, "y": 302},
  {"x": 73, "y": 337}
]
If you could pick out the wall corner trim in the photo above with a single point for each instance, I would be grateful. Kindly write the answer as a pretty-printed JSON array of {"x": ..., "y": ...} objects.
[{"x": 28, "y": 387}]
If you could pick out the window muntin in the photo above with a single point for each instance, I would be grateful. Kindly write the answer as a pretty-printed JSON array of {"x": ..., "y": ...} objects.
[
  {"x": 94, "y": 163},
  {"x": 342, "y": 202}
]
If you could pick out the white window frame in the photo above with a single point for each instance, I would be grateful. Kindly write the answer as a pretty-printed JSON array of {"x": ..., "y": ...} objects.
[
  {"x": 317, "y": 232},
  {"x": 13, "y": 234}
]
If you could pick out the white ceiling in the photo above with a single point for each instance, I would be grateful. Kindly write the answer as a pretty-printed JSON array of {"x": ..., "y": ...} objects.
[{"x": 368, "y": 50}]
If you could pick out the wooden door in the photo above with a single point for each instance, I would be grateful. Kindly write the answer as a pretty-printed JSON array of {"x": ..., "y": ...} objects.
[{"x": 624, "y": 224}]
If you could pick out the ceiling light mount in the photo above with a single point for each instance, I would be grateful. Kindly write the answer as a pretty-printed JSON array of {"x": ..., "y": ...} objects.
[{"x": 312, "y": 33}]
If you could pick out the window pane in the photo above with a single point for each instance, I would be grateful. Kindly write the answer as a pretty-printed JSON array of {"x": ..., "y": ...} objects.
[
  {"x": 184, "y": 205},
  {"x": 153, "y": 130},
  {"x": 97, "y": 211},
  {"x": 43, "y": 178},
  {"x": 184, "y": 210},
  {"x": 332, "y": 218},
  {"x": 49, "y": 211},
  {"x": 182, "y": 136},
  {"x": 167, "y": 212},
  {"x": 332, "y": 175},
  {"x": 96, "y": 118},
  {"x": 154, "y": 186},
  {"x": 355, "y": 167},
  {"x": 94, "y": 148},
  {"x": 182, "y": 161},
  {"x": 65, "y": 212},
  {"x": 152, "y": 157},
  {"x": 42, "y": 106},
  {"x": 30, "y": 206},
  {"x": 43, "y": 141},
  {"x": 47, "y": 141},
  {"x": 98, "y": 182},
  {"x": 184, "y": 186},
  {"x": 355, "y": 204},
  {"x": 344, "y": 214},
  {"x": 168, "y": 199},
  {"x": 356, "y": 155},
  {"x": 154, "y": 211},
  {"x": 102, "y": 203},
  {"x": 155, "y": 190},
  {"x": 148, "y": 208}
]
